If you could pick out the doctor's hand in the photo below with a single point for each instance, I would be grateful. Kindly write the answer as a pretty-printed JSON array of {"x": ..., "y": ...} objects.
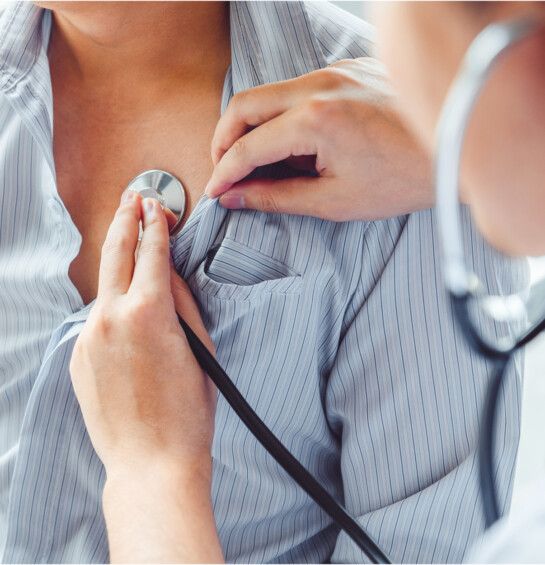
[
  {"x": 148, "y": 407},
  {"x": 340, "y": 121}
]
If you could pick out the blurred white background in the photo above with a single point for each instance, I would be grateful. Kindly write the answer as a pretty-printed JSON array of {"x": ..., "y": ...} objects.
[{"x": 531, "y": 457}]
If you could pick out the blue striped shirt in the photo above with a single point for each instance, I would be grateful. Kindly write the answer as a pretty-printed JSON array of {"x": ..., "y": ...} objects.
[{"x": 339, "y": 335}]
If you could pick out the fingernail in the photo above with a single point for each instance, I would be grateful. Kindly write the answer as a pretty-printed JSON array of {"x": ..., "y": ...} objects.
[
  {"x": 208, "y": 187},
  {"x": 232, "y": 200},
  {"x": 150, "y": 208},
  {"x": 127, "y": 195}
]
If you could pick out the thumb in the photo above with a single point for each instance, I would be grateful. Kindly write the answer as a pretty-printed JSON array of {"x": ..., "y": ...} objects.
[
  {"x": 306, "y": 196},
  {"x": 188, "y": 309}
]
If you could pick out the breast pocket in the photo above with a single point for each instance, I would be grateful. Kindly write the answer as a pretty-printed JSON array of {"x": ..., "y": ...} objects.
[{"x": 234, "y": 271}]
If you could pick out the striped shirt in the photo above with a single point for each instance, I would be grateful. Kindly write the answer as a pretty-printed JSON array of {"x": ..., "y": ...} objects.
[{"x": 339, "y": 335}]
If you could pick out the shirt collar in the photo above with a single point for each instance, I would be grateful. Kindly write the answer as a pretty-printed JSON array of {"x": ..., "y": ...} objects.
[
  {"x": 24, "y": 70},
  {"x": 24, "y": 35},
  {"x": 271, "y": 41}
]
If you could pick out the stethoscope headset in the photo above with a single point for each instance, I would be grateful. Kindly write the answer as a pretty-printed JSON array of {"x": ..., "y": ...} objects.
[{"x": 462, "y": 286}]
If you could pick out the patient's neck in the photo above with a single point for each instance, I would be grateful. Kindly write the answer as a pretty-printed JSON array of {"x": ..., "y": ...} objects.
[{"x": 139, "y": 43}]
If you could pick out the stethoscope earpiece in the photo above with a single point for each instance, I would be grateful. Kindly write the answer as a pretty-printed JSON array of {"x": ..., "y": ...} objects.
[{"x": 168, "y": 190}]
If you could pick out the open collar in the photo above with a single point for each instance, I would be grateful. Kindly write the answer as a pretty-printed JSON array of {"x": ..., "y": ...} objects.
[
  {"x": 24, "y": 70},
  {"x": 24, "y": 35},
  {"x": 271, "y": 41}
]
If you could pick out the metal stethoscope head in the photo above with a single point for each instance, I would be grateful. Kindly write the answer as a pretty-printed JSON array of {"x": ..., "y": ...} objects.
[
  {"x": 168, "y": 190},
  {"x": 468, "y": 297}
]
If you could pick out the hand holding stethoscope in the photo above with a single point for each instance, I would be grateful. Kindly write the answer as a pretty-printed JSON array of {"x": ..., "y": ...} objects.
[{"x": 147, "y": 404}]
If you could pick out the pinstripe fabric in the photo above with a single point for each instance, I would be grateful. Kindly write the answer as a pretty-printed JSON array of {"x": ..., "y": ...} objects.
[{"x": 339, "y": 335}]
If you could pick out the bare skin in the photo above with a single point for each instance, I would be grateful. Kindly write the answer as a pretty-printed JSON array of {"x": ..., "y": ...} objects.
[{"x": 124, "y": 104}]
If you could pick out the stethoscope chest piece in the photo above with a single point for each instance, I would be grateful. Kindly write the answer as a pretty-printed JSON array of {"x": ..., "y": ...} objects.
[{"x": 165, "y": 188}]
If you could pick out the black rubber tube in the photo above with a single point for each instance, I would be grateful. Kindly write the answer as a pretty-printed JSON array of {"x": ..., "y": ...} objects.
[
  {"x": 486, "y": 446},
  {"x": 283, "y": 457}
]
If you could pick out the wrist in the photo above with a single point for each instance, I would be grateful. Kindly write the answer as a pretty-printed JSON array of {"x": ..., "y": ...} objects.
[
  {"x": 160, "y": 511},
  {"x": 164, "y": 474}
]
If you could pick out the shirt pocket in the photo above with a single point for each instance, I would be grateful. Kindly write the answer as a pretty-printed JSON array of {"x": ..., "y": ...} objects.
[{"x": 234, "y": 271}]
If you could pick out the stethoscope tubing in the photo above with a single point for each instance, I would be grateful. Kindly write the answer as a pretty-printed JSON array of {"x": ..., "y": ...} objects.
[
  {"x": 477, "y": 65},
  {"x": 279, "y": 452},
  {"x": 500, "y": 358}
]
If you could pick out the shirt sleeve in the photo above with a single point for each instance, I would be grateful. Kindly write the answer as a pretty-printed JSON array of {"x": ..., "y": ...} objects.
[{"x": 404, "y": 398}]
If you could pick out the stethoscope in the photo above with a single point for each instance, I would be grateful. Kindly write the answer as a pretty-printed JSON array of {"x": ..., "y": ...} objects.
[
  {"x": 464, "y": 287},
  {"x": 461, "y": 284}
]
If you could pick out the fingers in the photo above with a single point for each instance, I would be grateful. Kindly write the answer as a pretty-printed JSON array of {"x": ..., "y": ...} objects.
[
  {"x": 117, "y": 263},
  {"x": 279, "y": 111},
  {"x": 151, "y": 273},
  {"x": 300, "y": 195},
  {"x": 258, "y": 105},
  {"x": 278, "y": 139},
  {"x": 188, "y": 310},
  {"x": 252, "y": 108}
]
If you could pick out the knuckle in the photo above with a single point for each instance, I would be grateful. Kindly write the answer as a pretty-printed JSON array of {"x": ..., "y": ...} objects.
[
  {"x": 97, "y": 332},
  {"x": 267, "y": 202},
  {"x": 236, "y": 105},
  {"x": 77, "y": 365},
  {"x": 103, "y": 321},
  {"x": 338, "y": 64},
  {"x": 236, "y": 99},
  {"x": 343, "y": 75},
  {"x": 239, "y": 148},
  {"x": 251, "y": 107},
  {"x": 369, "y": 65},
  {"x": 129, "y": 211},
  {"x": 117, "y": 243},
  {"x": 139, "y": 311},
  {"x": 333, "y": 76},
  {"x": 144, "y": 303},
  {"x": 320, "y": 109},
  {"x": 153, "y": 248},
  {"x": 239, "y": 101},
  {"x": 326, "y": 116}
]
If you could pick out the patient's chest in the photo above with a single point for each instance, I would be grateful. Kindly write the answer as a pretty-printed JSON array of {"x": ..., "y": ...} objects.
[{"x": 97, "y": 158}]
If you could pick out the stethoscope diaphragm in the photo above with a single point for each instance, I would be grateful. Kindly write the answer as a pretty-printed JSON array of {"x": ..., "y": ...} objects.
[{"x": 165, "y": 188}]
